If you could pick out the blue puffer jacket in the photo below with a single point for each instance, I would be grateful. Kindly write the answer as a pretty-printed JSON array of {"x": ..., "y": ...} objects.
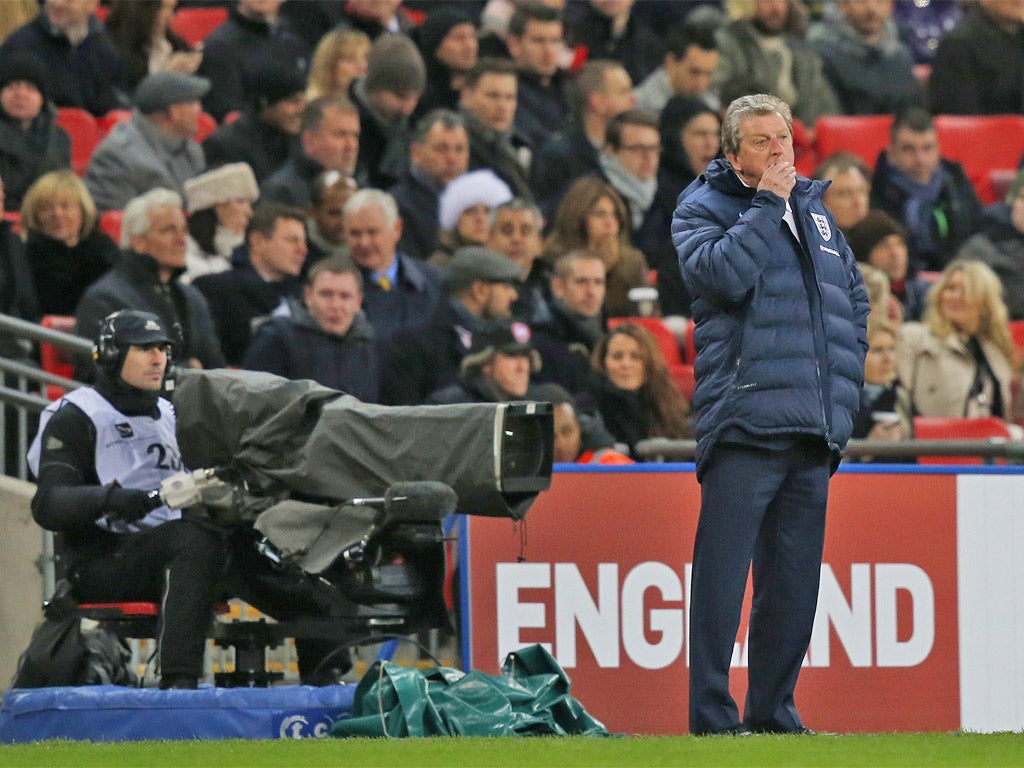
[{"x": 780, "y": 329}]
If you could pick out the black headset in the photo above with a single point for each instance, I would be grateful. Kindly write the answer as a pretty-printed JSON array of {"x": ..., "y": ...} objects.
[{"x": 105, "y": 351}]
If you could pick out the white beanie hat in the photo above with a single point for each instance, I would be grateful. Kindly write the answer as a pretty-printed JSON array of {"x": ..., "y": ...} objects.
[
  {"x": 481, "y": 187},
  {"x": 234, "y": 181}
]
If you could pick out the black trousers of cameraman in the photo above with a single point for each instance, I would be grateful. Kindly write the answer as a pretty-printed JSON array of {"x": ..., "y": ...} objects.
[{"x": 177, "y": 564}]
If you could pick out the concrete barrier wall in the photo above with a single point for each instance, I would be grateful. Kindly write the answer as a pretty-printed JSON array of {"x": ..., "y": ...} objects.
[{"x": 22, "y": 584}]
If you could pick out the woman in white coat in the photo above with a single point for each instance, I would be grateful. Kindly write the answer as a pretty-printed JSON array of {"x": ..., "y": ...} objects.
[{"x": 960, "y": 359}]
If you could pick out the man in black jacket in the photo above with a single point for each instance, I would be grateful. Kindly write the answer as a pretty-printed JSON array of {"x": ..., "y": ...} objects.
[
  {"x": 266, "y": 133},
  {"x": 327, "y": 339},
  {"x": 422, "y": 358},
  {"x": 264, "y": 278},
  {"x": 146, "y": 278},
  {"x": 99, "y": 452},
  {"x": 489, "y": 106},
  {"x": 931, "y": 196},
  {"x": 251, "y": 35},
  {"x": 439, "y": 152}
]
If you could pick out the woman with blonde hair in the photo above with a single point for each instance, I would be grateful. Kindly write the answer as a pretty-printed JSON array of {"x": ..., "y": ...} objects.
[
  {"x": 959, "y": 361},
  {"x": 634, "y": 393},
  {"x": 593, "y": 217},
  {"x": 340, "y": 58},
  {"x": 65, "y": 248}
]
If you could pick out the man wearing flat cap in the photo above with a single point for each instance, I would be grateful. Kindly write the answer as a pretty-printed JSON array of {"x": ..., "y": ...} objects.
[
  {"x": 267, "y": 131},
  {"x": 153, "y": 149},
  {"x": 480, "y": 290}
]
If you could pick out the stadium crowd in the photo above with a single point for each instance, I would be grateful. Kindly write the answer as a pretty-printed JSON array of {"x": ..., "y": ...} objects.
[{"x": 471, "y": 201}]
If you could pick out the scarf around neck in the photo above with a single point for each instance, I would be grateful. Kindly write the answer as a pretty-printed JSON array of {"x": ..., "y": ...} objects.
[{"x": 639, "y": 194}]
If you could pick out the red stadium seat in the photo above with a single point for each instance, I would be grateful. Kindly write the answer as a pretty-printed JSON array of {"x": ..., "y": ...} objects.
[
  {"x": 667, "y": 342},
  {"x": 84, "y": 133},
  {"x": 110, "y": 222},
  {"x": 937, "y": 428},
  {"x": 982, "y": 144},
  {"x": 194, "y": 24},
  {"x": 54, "y": 360},
  {"x": 207, "y": 125},
  {"x": 1017, "y": 333},
  {"x": 112, "y": 118},
  {"x": 864, "y": 135},
  {"x": 681, "y": 373},
  {"x": 689, "y": 346},
  {"x": 15, "y": 218}
]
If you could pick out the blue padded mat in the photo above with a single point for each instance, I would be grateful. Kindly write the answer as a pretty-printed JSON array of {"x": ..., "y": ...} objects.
[{"x": 114, "y": 713}]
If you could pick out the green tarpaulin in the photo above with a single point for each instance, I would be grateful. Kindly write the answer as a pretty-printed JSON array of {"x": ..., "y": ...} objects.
[{"x": 530, "y": 698}]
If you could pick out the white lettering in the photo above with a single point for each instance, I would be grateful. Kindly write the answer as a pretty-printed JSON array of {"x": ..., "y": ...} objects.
[
  {"x": 890, "y": 578},
  {"x": 852, "y": 621},
  {"x": 598, "y": 622},
  {"x": 667, "y": 621},
  {"x": 513, "y": 615}
]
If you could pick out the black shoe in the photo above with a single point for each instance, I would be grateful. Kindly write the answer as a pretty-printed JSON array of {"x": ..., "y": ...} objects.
[
  {"x": 739, "y": 729},
  {"x": 178, "y": 682},
  {"x": 801, "y": 731}
]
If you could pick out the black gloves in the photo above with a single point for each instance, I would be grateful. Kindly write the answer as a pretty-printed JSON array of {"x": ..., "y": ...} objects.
[{"x": 129, "y": 504}]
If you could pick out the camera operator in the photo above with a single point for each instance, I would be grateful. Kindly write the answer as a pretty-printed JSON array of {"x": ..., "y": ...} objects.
[{"x": 98, "y": 453}]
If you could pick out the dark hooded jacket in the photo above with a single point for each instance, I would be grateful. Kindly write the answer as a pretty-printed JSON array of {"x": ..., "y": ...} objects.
[
  {"x": 297, "y": 348},
  {"x": 780, "y": 326}
]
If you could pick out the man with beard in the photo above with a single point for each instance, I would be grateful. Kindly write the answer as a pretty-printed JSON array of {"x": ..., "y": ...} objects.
[{"x": 418, "y": 360}]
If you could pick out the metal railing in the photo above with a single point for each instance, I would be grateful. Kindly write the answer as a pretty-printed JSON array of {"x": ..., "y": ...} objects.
[
  {"x": 660, "y": 449},
  {"x": 22, "y": 386}
]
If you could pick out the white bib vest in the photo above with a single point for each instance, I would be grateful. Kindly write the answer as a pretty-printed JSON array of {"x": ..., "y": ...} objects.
[{"x": 136, "y": 451}]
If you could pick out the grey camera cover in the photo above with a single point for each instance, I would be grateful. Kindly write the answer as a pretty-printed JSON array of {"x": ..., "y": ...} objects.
[{"x": 321, "y": 443}]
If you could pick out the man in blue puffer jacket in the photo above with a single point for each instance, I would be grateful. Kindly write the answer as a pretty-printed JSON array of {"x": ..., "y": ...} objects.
[{"x": 780, "y": 315}]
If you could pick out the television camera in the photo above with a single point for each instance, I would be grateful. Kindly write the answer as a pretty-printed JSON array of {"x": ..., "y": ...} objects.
[{"x": 352, "y": 495}]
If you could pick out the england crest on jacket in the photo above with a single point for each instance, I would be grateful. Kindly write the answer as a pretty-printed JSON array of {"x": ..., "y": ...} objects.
[{"x": 821, "y": 222}]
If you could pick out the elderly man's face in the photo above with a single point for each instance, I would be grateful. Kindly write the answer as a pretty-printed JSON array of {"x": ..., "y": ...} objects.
[
  {"x": 371, "y": 241},
  {"x": 915, "y": 153},
  {"x": 764, "y": 140},
  {"x": 166, "y": 238},
  {"x": 184, "y": 118}
]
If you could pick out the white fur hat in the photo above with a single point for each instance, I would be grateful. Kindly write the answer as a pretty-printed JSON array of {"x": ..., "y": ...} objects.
[
  {"x": 234, "y": 181},
  {"x": 481, "y": 187}
]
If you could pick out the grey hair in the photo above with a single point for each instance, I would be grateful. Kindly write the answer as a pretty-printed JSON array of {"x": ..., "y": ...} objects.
[
  {"x": 136, "y": 212},
  {"x": 516, "y": 204},
  {"x": 365, "y": 198},
  {"x": 746, "y": 107}
]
